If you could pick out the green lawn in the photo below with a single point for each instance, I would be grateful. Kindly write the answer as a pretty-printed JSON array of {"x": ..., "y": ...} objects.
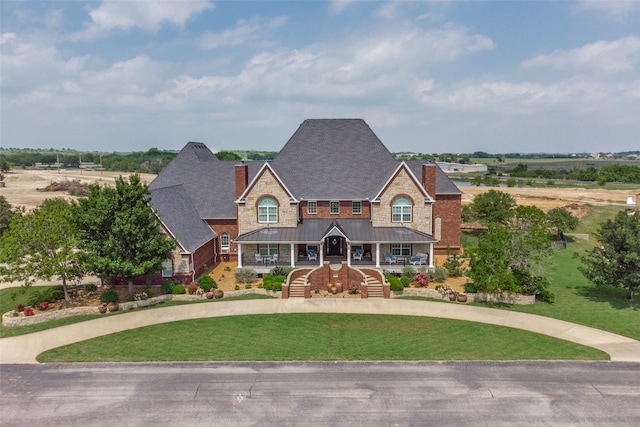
[{"x": 320, "y": 337}]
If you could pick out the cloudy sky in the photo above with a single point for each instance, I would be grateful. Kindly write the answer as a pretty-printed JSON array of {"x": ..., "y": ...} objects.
[{"x": 427, "y": 76}]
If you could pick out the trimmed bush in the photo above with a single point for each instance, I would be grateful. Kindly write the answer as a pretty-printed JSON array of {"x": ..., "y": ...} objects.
[
  {"x": 395, "y": 284},
  {"x": 470, "y": 288},
  {"x": 149, "y": 292},
  {"x": 206, "y": 282},
  {"x": 408, "y": 271},
  {"x": 280, "y": 270},
  {"x": 166, "y": 287},
  {"x": 178, "y": 289},
  {"x": 89, "y": 287},
  {"x": 246, "y": 275},
  {"x": 405, "y": 281},
  {"x": 273, "y": 283},
  {"x": 110, "y": 295},
  {"x": 438, "y": 275}
]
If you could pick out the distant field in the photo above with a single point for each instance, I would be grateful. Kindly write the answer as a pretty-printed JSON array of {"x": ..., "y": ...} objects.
[{"x": 554, "y": 164}]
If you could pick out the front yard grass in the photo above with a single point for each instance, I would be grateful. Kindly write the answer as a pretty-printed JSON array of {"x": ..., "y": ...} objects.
[{"x": 321, "y": 337}]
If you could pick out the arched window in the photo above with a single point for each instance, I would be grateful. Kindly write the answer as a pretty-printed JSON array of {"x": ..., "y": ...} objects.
[
  {"x": 267, "y": 210},
  {"x": 401, "y": 210},
  {"x": 224, "y": 243}
]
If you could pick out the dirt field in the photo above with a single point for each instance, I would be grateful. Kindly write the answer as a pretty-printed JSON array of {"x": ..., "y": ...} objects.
[{"x": 21, "y": 186}]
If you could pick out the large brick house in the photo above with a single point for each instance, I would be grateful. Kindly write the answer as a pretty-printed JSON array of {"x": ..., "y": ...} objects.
[{"x": 333, "y": 193}]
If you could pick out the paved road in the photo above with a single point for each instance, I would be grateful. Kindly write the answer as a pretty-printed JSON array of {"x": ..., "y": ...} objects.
[{"x": 321, "y": 394}]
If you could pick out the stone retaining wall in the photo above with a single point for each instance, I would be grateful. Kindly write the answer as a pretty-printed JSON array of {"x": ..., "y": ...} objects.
[
  {"x": 515, "y": 299},
  {"x": 8, "y": 319}
]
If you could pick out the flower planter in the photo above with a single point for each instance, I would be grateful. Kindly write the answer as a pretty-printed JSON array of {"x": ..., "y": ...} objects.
[
  {"x": 209, "y": 295},
  {"x": 113, "y": 306},
  {"x": 102, "y": 309},
  {"x": 218, "y": 293},
  {"x": 462, "y": 298}
]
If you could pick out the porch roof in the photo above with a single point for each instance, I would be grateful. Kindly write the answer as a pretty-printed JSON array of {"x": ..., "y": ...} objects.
[{"x": 354, "y": 230}]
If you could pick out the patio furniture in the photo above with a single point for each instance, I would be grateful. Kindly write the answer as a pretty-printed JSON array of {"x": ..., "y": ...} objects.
[
  {"x": 273, "y": 259},
  {"x": 259, "y": 259},
  {"x": 357, "y": 255},
  {"x": 312, "y": 255},
  {"x": 419, "y": 259},
  {"x": 389, "y": 258}
]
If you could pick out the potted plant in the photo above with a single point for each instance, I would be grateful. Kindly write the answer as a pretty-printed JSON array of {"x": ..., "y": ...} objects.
[
  {"x": 462, "y": 297},
  {"x": 218, "y": 293},
  {"x": 102, "y": 308},
  {"x": 110, "y": 297},
  {"x": 453, "y": 296}
]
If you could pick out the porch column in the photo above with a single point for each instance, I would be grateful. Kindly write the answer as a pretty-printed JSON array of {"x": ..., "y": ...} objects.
[
  {"x": 430, "y": 255},
  {"x": 321, "y": 250},
  {"x": 239, "y": 255},
  {"x": 293, "y": 256},
  {"x": 377, "y": 255},
  {"x": 349, "y": 254}
]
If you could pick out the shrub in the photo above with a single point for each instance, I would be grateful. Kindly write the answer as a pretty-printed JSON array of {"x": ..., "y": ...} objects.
[
  {"x": 110, "y": 295},
  {"x": 406, "y": 281},
  {"x": 206, "y": 282},
  {"x": 408, "y": 271},
  {"x": 247, "y": 286},
  {"x": 394, "y": 283},
  {"x": 90, "y": 287},
  {"x": 438, "y": 275},
  {"x": 470, "y": 287},
  {"x": 130, "y": 298},
  {"x": 178, "y": 289},
  {"x": 36, "y": 297},
  {"x": 273, "y": 283},
  {"x": 246, "y": 275},
  {"x": 280, "y": 270},
  {"x": 28, "y": 311},
  {"x": 148, "y": 292},
  {"x": 54, "y": 294},
  {"x": 421, "y": 280},
  {"x": 237, "y": 287},
  {"x": 166, "y": 287},
  {"x": 453, "y": 265}
]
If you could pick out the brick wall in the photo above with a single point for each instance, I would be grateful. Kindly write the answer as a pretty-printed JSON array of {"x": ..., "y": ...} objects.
[
  {"x": 447, "y": 208},
  {"x": 225, "y": 226},
  {"x": 324, "y": 210}
]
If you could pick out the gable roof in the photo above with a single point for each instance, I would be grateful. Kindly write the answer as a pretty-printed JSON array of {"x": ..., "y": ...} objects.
[{"x": 334, "y": 159}]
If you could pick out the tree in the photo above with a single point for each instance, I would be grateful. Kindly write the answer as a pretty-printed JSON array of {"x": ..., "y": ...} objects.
[
  {"x": 493, "y": 207},
  {"x": 120, "y": 233},
  {"x": 42, "y": 244},
  {"x": 562, "y": 220},
  {"x": 617, "y": 261},
  {"x": 6, "y": 213}
]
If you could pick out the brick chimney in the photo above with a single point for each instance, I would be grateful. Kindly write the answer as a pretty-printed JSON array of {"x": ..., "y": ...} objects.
[
  {"x": 242, "y": 178},
  {"x": 429, "y": 178}
]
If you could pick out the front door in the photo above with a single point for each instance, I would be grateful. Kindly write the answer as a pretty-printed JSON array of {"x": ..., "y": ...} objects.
[{"x": 334, "y": 246}]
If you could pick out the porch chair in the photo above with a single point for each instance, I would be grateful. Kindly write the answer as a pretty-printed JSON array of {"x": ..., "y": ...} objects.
[
  {"x": 357, "y": 255},
  {"x": 273, "y": 259},
  {"x": 312, "y": 255},
  {"x": 259, "y": 259},
  {"x": 418, "y": 259},
  {"x": 389, "y": 258}
]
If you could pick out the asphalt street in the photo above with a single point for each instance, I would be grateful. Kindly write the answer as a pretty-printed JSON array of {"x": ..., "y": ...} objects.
[{"x": 321, "y": 394}]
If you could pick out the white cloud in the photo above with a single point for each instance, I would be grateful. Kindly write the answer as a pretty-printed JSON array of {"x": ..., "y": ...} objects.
[
  {"x": 337, "y": 6},
  {"x": 616, "y": 9},
  {"x": 245, "y": 30},
  {"x": 616, "y": 56},
  {"x": 146, "y": 15}
]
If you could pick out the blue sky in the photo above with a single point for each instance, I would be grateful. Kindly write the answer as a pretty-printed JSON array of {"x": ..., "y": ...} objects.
[{"x": 427, "y": 76}]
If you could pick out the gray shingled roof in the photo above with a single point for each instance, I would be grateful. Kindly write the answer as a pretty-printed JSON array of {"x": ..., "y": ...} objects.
[
  {"x": 356, "y": 230},
  {"x": 444, "y": 185},
  {"x": 174, "y": 207},
  {"x": 334, "y": 159}
]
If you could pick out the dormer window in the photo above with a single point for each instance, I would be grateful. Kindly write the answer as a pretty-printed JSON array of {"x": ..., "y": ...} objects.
[
  {"x": 335, "y": 208},
  {"x": 267, "y": 210},
  {"x": 401, "y": 210}
]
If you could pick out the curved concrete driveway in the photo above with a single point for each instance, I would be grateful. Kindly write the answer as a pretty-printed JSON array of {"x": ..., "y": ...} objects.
[{"x": 25, "y": 348}]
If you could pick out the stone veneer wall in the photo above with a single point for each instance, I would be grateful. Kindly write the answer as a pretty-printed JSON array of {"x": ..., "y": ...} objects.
[
  {"x": 267, "y": 185},
  {"x": 471, "y": 297},
  {"x": 403, "y": 185}
]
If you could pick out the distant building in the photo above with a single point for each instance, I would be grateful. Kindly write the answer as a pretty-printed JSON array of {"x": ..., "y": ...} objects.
[{"x": 461, "y": 167}]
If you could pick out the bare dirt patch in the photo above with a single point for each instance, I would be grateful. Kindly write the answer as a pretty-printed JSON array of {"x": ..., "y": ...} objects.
[{"x": 22, "y": 186}]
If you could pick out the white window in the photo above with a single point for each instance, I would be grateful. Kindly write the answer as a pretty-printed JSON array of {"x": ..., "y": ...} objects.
[
  {"x": 224, "y": 243},
  {"x": 268, "y": 249},
  {"x": 312, "y": 207},
  {"x": 356, "y": 207},
  {"x": 167, "y": 268},
  {"x": 401, "y": 249},
  {"x": 267, "y": 210},
  {"x": 312, "y": 248},
  {"x": 401, "y": 210},
  {"x": 335, "y": 207}
]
